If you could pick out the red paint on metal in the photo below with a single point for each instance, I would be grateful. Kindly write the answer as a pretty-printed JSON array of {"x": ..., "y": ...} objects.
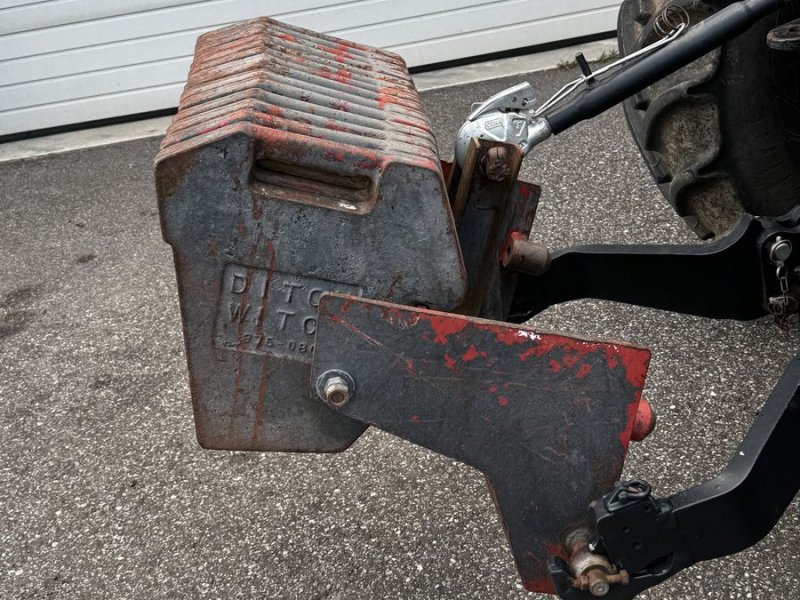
[
  {"x": 502, "y": 401},
  {"x": 554, "y": 365},
  {"x": 215, "y": 126},
  {"x": 634, "y": 362},
  {"x": 472, "y": 354},
  {"x": 340, "y": 52},
  {"x": 542, "y": 585},
  {"x": 286, "y": 36},
  {"x": 645, "y": 421},
  {"x": 443, "y": 327},
  {"x": 584, "y": 370},
  {"x": 510, "y": 337},
  {"x": 340, "y": 75},
  {"x": 409, "y": 123},
  {"x": 572, "y": 356},
  {"x": 449, "y": 361},
  {"x": 340, "y": 105}
]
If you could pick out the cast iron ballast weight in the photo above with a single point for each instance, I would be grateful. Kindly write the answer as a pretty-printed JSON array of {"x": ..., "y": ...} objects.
[{"x": 333, "y": 272}]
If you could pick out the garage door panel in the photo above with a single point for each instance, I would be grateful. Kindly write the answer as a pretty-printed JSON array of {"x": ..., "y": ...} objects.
[
  {"x": 70, "y": 61},
  {"x": 515, "y": 36},
  {"x": 63, "y": 12},
  {"x": 474, "y": 19},
  {"x": 98, "y": 58},
  {"x": 97, "y": 83},
  {"x": 147, "y": 99}
]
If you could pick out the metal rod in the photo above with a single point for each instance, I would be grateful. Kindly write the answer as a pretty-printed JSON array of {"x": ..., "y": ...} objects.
[{"x": 697, "y": 41}]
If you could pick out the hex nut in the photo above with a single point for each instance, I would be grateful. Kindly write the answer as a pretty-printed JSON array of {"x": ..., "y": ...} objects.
[{"x": 335, "y": 387}]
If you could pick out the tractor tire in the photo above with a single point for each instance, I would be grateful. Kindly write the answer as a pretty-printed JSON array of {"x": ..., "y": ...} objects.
[{"x": 721, "y": 136}]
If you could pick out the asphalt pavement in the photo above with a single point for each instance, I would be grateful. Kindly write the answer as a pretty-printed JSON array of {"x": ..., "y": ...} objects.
[{"x": 104, "y": 492}]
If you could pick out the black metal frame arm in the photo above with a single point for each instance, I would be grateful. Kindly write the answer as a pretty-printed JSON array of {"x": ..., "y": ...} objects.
[
  {"x": 653, "y": 538},
  {"x": 732, "y": 278}
]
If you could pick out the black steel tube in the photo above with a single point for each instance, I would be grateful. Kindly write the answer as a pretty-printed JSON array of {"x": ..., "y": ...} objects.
[{"x": 697, "y": 41}]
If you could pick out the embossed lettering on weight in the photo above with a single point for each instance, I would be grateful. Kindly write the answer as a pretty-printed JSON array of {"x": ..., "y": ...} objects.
[{"x": 271, "y": 313}]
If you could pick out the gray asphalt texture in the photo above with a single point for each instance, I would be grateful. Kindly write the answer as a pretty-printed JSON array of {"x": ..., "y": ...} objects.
[{"x": 104, "y": 492}]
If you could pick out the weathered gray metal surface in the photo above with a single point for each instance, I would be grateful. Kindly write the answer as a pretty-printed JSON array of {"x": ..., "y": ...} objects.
[
  {"x": 297, "y": 164},
  {"x": 546, "y": 417}
]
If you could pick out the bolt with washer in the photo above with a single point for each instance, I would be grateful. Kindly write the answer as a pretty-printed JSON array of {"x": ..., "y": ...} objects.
[{"x": 335, "y": 387}]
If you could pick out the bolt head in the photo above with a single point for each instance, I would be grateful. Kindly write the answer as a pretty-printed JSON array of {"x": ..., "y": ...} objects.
[
  {"x": 335, "y": 388},
  {"x": 600, "y": 588}
]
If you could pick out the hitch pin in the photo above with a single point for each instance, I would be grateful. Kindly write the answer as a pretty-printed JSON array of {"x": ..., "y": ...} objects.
[{"x": 592, "y": 572}]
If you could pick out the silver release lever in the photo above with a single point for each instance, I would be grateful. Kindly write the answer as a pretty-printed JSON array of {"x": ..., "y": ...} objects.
[{"x": 508, "y": 116}]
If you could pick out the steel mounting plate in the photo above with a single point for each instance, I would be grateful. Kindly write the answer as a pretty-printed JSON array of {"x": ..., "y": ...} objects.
[{"x": 546, "y": 417}]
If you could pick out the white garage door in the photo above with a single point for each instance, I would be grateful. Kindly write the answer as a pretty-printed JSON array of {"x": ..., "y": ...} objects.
[{"x": 71, "y": 61}]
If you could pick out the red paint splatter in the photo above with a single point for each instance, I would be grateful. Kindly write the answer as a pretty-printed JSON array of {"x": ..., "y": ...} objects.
[
  {"x": 510, "y": 337},
  {"x": 340, "y": 52},
  {"x": 214, "y": 127},
  {"x": 571, "y": 358},
  {"x": 343, "y": 76},
  {"x": 493, "y": 389},
  {"x": 443, "y": 327},
  {"x": 449, "y": 361},
  {"x": 502, "y": 401},
  {"x": 584, "y": 370},
  {"x": 472, "y": 354},
  {"x": 409, "y": 123},
  {"x": 554, "y": 365},
  {"x": 535, "y": 350}
]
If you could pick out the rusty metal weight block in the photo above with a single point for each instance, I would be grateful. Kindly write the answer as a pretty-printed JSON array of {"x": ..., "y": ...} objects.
[{"x": 297, "y": 164}]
